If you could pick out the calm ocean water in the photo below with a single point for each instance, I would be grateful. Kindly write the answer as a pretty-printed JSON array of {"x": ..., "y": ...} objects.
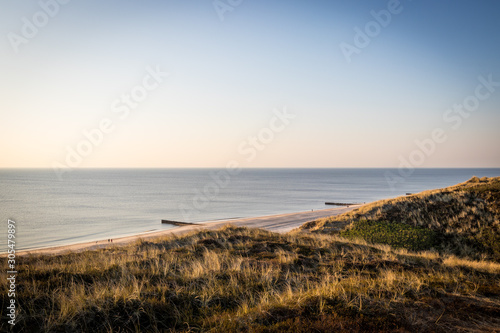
[{"x": 103, "y": 203}]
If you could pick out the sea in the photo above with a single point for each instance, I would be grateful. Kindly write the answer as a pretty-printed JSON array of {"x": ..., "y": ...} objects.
[{"x": 97, "y": 204}]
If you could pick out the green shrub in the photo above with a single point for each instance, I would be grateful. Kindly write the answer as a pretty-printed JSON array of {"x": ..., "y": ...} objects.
[{"x": 398, "y": 235}]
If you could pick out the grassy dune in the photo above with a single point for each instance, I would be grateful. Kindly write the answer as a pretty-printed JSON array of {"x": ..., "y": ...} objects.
[
  {"x": 250, "y": 280},
  {"x": 428, "y": 262},
  {"x": 463, "y": 220}
]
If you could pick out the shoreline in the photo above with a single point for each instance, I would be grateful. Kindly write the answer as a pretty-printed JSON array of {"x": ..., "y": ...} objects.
[{"x": 281, "y": 223}]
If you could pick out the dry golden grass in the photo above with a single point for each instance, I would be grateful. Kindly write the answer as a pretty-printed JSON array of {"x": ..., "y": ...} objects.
[
  {"x": 250, "y": 280},
  {"x": 482, "y": 265}
]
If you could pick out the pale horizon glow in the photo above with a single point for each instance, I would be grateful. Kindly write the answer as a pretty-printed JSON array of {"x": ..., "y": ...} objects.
[{"x": 227, "y": 79}]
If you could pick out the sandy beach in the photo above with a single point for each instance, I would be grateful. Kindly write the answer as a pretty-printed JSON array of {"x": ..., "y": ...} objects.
[{"x": 276, "y": 223}]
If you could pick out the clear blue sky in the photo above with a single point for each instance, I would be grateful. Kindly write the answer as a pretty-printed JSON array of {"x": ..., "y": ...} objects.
[{"x": 227, "y": 76}]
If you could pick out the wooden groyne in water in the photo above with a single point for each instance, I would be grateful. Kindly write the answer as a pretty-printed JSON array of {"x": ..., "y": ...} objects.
[
  {"x": 177, "y": 223},
  {"x": 341, "y": 204}
]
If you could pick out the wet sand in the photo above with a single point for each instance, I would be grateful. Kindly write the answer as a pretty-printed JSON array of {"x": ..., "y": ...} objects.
[{"x": 276, "y": 223}]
